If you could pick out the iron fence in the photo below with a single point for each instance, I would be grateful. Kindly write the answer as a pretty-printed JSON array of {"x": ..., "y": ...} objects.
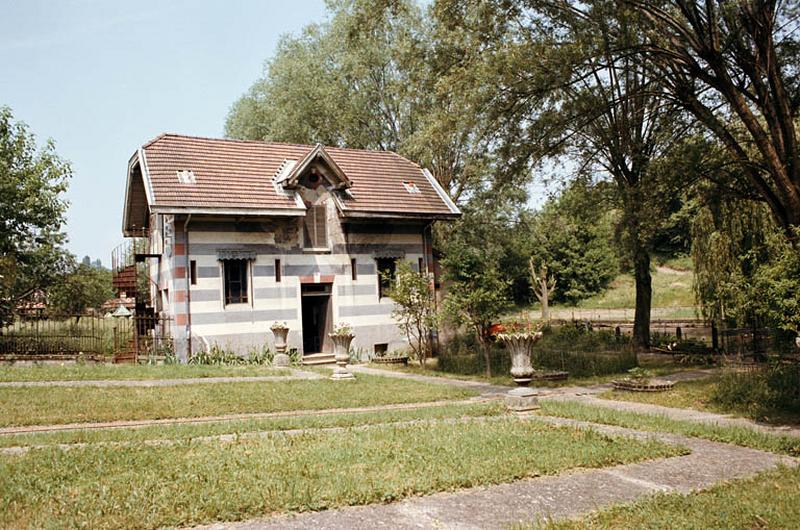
[{"x": 132, "y": 338}]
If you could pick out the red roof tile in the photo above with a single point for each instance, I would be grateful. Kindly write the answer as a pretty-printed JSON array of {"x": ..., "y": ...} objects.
[{"x": 240, "y": 174}]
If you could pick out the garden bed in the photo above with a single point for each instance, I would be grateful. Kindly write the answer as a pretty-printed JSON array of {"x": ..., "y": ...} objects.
[
  {"x": 653, "y": 385},
  {"x": 398, "y": 359}
]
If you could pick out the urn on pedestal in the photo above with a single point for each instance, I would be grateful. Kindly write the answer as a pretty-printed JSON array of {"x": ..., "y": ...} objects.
[
  {"x": 519, "y": 345},
  {"x": 342, "y": 336},
  {"x": 281, "y": 332}
]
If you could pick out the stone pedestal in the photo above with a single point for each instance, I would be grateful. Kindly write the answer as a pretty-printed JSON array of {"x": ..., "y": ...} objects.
[
  {"x": 281, "y": 334},
  {"x": 522, "y": 399},
  {"x": 281, "y": 360}
]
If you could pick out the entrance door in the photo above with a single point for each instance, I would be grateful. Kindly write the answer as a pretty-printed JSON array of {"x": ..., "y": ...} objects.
[{"x": 316, "y": 309}]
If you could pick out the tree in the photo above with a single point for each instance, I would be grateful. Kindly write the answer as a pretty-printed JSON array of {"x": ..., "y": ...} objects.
[
  {"x": 573, "y": 234},
  {"x": 733, "y": 66},
  {"x": 32, "y": 208},
  {"x": 565, "y": 88},
  {"x": 82, "y": 287},
  {"x": 746, "y": 272},
  {"x": 415, "y": 309},
  {"x": 543, "y": 285},
  {"x": 477, "y": 292},
  {"x": 366, "y": 79},
  {"x": 476, "y": 297}
]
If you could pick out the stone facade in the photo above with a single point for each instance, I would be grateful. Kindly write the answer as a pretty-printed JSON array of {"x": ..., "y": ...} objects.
[{"x": 196, "y": 242}]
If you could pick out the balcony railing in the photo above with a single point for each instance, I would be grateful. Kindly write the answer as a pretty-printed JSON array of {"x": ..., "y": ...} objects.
[{"x": 133, "y": 250}]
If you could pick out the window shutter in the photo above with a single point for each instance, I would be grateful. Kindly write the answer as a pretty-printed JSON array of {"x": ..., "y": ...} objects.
[
  {"x": 314, "y": 227},
  {"x": 321, "y": 239}
]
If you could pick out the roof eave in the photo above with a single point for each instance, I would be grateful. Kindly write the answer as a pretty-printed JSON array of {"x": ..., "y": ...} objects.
[
  {"x": 435, "y": 216},
  {"x": 224, "y": 210}
]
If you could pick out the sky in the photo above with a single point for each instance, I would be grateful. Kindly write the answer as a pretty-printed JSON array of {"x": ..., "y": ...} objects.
[{"x": 101, "y": 78}]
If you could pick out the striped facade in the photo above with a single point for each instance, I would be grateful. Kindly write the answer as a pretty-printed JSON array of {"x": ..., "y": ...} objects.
[
  {"x": 202, "y": 317},
  {"x": 246, "y": 234}
]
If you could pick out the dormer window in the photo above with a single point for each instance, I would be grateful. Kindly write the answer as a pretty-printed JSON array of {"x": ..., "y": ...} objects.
[
  {"x": 410, "y": 187},
  {"x": 186, "y": 176}
]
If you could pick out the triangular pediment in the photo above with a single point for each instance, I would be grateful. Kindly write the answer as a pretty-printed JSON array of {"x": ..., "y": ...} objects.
[{"x": 318, "y": 163}]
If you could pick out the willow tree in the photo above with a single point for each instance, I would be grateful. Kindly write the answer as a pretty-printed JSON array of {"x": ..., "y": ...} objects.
[{"x": 734, "y": 66}]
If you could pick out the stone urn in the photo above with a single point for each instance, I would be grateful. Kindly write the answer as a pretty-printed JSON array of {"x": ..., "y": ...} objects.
[
  {"x": 281, "y": 332},
  {"x": 519, "y": 346},
  {"x": 341, "y": 353}
]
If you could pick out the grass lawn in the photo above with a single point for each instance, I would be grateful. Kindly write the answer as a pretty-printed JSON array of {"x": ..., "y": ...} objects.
[
  {"x": 57, "y": 405},
  {"x": 657, "y": 366},
  {"x": 190, "y": 431},
  {"x": 197, "y": 482},
  {"x": 695, "y": 395},
  {"x": 413, "y": 367},
  {"x": 672, "y": 288},
  {"x": 90, "y": 372},
  {"x": 769, "y": 500},
  {"x": 743, "y": 436}
]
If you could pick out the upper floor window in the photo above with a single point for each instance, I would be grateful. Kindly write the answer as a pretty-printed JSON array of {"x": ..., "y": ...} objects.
[
  {"x": 235, "y": 276},
  {"x": 315, "y": 227},
  {"x": 387, "y": 268}
]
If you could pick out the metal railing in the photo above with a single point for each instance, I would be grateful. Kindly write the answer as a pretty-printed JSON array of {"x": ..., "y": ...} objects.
[{"x": 133, "y": 338}]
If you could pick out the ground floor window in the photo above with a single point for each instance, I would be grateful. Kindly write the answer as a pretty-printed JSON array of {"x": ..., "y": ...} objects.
[{"x": 235, "y": 276}]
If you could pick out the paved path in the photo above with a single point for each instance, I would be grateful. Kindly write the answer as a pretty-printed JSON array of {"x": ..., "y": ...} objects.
[
  {"x": 566, "y": 495},
  {"x": 296, "y": 375},
  {"x": 712, "y": 418},
  {"x": 134, "y": 424}
]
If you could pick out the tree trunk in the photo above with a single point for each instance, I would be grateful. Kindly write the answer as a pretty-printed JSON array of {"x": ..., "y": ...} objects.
[
  {"x": 486, "y": 346},
  {"x": 545, "y": 301},
  {"x": 644, "y": 294}
]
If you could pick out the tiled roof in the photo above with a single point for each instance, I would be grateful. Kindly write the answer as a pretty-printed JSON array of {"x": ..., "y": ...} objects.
[{"x": 240, "y": 174}]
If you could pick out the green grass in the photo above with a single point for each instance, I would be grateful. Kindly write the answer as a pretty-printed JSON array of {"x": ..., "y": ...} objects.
[
  {"x": 699, "y": 395},
  {"x": 672, "y": 286},
  {"x": 685, "y": 395},
  {"x": 89, "y": 372},
  {"x": 768, "y": 500},
  {"x": 187, "y": 432},
  {"x": 57, "y": 405},
  {"x": 430, "y": 369},
  {"x": 744, "y": 436},
  {"x": 199, "y": 482},
  {"x": 657, "y": 366}
]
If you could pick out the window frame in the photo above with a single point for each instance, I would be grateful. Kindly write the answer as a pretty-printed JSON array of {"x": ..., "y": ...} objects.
[
  {"x": 312, "y": 215},
  {"x": 244, "y": 282},
  {"x": 384, "y": 285}
]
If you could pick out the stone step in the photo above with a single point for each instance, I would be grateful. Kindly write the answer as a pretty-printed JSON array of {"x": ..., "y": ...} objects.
[{"x": 318, "y": 358}]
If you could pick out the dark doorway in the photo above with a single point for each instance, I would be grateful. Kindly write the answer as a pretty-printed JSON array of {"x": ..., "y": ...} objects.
[{"x": 316, "y": 308}]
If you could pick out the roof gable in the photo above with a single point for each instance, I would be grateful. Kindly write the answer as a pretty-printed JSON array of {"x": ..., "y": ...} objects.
[
  {"x": 335, "y": 176},
  {"x": 260, "y": 178}
]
